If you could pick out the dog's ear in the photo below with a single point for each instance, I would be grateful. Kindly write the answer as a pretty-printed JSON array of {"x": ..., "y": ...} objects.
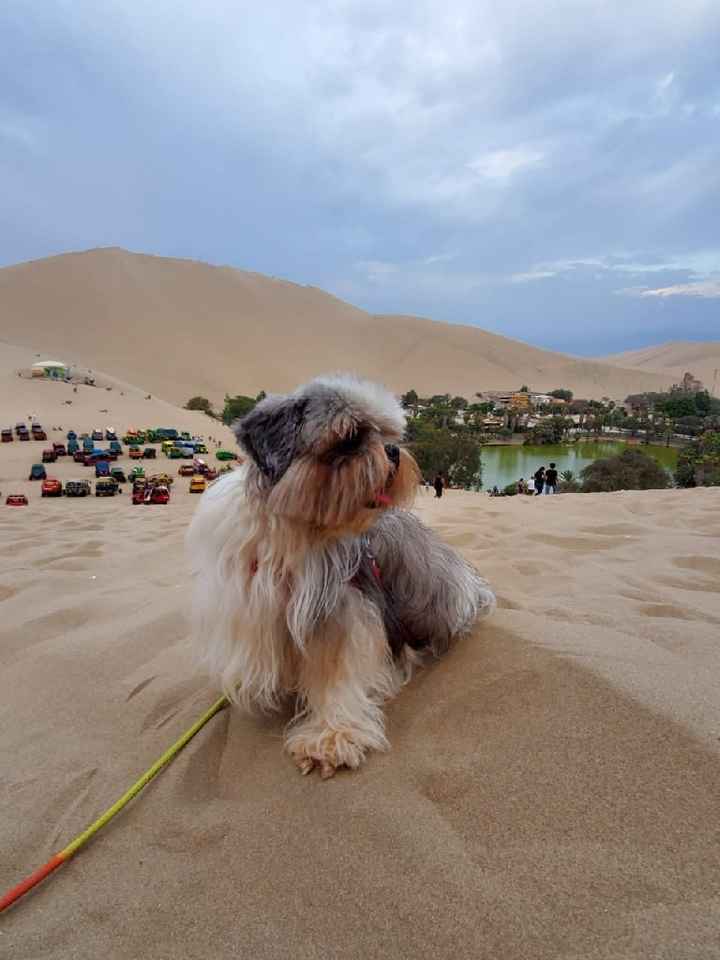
[{"x": 270, "y": 432}]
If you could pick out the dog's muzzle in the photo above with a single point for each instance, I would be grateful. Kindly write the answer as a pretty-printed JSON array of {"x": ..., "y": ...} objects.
[{"x": 393, "y": 454}]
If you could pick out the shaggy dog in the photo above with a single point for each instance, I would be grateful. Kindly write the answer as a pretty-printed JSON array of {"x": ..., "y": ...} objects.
[{"x": 312, "y": 581}]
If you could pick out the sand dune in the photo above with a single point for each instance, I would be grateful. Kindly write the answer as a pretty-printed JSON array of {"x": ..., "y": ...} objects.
[
  {"x": 552, "y": 787},
  {"x": 178, "y": 328},
  {"x": 702, "y": 359},
  {"x": 551, "y": 791}
]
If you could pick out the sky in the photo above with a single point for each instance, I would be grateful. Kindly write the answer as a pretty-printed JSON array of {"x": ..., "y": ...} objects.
[{"x": 546, "y": 170}]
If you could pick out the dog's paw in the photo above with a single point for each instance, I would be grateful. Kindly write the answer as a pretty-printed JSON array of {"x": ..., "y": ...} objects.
[{"x": 328, "y": 751}]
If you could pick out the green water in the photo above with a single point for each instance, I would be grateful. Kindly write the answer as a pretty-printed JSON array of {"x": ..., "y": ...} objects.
[{"x": 504, "y": 464}]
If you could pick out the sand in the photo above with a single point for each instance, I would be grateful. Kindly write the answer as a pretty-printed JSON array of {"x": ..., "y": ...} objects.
[
  {"x": 674, "y": 359},
  {"x": 178, "y": 328},
  {"x": 552, "y": 788}
]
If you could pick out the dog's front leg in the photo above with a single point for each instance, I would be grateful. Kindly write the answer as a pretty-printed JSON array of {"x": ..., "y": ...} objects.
[{"x": 345, "y": 674}]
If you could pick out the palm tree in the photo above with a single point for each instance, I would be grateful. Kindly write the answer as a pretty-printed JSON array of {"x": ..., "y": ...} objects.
[{"x": 568, "y": 476}]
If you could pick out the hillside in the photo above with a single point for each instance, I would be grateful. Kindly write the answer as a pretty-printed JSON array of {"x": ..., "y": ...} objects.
[
  {"x": 674, "y": 359},
  {"x": 178, "y": 328}
]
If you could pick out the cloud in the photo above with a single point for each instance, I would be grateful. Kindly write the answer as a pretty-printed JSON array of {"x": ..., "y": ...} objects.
[
  {"x": 503, "y": 164},
  {"x": 439, "y": 158},
  {"x": 709, "y": 289}
]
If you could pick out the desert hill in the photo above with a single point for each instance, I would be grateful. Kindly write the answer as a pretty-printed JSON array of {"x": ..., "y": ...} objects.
[
  {"x": 177, "y": 328},
  {"x": 673, "y": 359}
]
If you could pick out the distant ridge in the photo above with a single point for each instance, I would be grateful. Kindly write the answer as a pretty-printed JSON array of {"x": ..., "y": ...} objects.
[
  {"x": 673, "y": 359},
  {"x": 181, "y": 328}
]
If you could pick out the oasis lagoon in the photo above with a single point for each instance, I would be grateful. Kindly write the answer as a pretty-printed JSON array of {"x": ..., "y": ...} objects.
[{"x": 504, "y": 464}]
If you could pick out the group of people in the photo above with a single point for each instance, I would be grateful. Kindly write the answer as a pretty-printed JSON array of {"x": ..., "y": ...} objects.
[{"x": 543, "y": 481}]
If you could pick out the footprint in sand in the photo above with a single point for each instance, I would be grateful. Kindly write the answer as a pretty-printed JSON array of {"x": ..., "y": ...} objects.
[
  {"x": 7, "y": 592},
  {"x": 615, "y": 529},
  {"x": 170, "y": 703},
  {"x": 577, "y": 544},
  {"x": 44, "y": 628},
  {"x": 708, "y": 565},
  {"x": 669, "y": 611},
  {"x": 139, "y": 688}
]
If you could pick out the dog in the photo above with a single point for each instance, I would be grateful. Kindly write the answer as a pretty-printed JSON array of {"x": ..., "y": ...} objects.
[{"x": 312, "y": 580}]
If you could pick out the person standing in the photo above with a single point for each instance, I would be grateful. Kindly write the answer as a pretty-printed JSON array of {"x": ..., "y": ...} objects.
[
  {"x": 439, "y": 485},
  {"x": 551, "y": 476},
  {"x": 539, "y": 480}
]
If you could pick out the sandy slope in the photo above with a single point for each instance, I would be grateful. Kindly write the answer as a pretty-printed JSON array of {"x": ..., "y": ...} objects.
[
  {"x": 702, "y": 359},
  {"x": 551, "y": 791},
  {"x": 178, "y": 328}
]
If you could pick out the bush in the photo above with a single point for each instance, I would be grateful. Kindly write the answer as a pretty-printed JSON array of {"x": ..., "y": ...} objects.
[
  {"x": 699, "y": 463},
  {"x": 510, "y": 490},
  {"x": 200, "y": 403},
  {"x": 630, "y": 470}
]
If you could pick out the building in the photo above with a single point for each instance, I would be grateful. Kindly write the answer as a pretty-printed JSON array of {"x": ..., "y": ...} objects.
[
  {"x": 689, "y": 384},
  {"x": 50, "y": 370}
]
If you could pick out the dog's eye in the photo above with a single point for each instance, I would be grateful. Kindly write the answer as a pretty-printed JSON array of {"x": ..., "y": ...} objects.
[{"x": 347, "y": 446}]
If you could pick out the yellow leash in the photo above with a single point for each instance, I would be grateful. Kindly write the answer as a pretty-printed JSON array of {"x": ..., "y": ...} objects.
[{"x": 55, "y": 861}]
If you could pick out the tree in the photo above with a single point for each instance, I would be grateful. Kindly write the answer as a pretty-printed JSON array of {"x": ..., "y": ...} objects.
[
  {"x": 524, "y": 389},
  {"x": 453, "y": 452},
  {"x": 459, "y": 403},
  {"x": 699, "y": 463},
  {"x": 409, "y": 401},
  {"x": 562, "y": 394},
  {"x": 236, "y": 407},
  {"x": 629, "y": 470},
  {"x": 200, "y": 403}
]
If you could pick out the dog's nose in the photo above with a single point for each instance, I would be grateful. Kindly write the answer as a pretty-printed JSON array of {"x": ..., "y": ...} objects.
[{"x": 393, "y": 454}]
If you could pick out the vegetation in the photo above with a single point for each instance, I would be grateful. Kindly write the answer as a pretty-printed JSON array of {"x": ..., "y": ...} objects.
[
  {"x": 630, "y": 470},
  {"x": 200, "y": 403},
  {"x": 448, "y": 449},
  {"x": 551, "y": 430},
  {"x": 562, "y": 394},
  {"x": 238, "y": 406},
  {"x": 699, "y": 463}
]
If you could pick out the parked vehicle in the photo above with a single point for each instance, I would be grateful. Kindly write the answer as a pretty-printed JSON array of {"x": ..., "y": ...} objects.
[
  {"x": 71, "y": 435},
  {"x": 149, "y": 453},
  {"x": 6, "y": 435},
  {"x": 225, "y": 455},
  {"x": 16, "y": 500},
  {"x": 200, "y": 448},
  {"x": 135, "y": 453},
  {"x": 79, "y": 456},
  {"x": 51, "y": 488},
  {"x": 198, "y": 484},
  {"x": 105, "y": 487},
  {"x": 175, "y": 453},
  {"x": 72, "y": 447},
  {"x": 49, "y": 456},
  {"x": 166, "y": 433},
  {"x": 164, "y": 479},
  {"x": 110, "y": 434},
  {"x": 138, "y": 494},
  {"x": 158, "y": 494},
  {"x": 59, "y": 449},
  {"x": 77, "y": 488},
  {"x": 19, "y": 427},
  {"x": 88, "y": 445},
  {"x": 39, "y": 435},
  {"x": 186, "y": 470},
  {"x": 97, "y": 435},
  {"x": 24, "y": 435},
  {"x": 97, "y": 456},
  {"x": 135, "y": 473},
  {"x": 117, "y": 473},
  {"x": 37, "y": 472},
  {"x": 102, "y": 469},
  {"x": 167, "y": 446},
  {"x": 116, "y": 447},
  {"x": 187, "y": 452}
]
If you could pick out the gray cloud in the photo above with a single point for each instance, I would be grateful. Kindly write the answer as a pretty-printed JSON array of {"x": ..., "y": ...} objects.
[{"x": 500, "y": 165}]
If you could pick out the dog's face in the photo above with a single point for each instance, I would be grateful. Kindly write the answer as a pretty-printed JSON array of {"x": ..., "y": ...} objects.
[{"x": 327, "y": 455}]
